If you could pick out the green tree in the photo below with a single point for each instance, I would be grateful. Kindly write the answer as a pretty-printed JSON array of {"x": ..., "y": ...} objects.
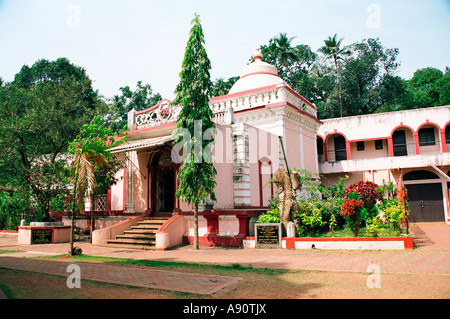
[
  {"x": 221, "y": 86},
  {"x": 333, "y": 49},
  {"x": 90, "y": 151},
  {"x": 368, "y": 78},
  {"x": 443, "y": 87},
  {"x": 140, "y": 99},
  {"x": 41, "y": 111},
  {"x": 197, "y": 172},
  {"x": 292, "y": 62}
]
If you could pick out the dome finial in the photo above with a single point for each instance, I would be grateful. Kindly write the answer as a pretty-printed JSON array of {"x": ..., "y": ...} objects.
[{"x": 258, "y": 55}]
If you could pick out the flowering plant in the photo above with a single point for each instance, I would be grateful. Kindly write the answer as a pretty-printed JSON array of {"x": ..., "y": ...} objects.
[
  {"x": 368, "y": 192},
  {"x": 350, "y": 207}
]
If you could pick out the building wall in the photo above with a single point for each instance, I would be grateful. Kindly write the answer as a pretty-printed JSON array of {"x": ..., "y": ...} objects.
[{"x": 383, "y": 166}]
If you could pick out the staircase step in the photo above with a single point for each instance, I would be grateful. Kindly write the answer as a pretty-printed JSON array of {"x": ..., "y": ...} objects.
[
  {"x": 140, "y": 236},
  {"x": 132, "y": 241},
  {"x": 151, "y": 222},
  {"x": 140, "y": 231},
  {"x": 137, "y": 236},
  {"x": 131, "y": 246},
  {"x": 150, "y": 226}
]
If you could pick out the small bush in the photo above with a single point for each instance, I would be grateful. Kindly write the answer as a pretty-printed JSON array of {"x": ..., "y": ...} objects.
[
  {"x": 373, "y": 226},
  {"x": 270, "y": 216}
]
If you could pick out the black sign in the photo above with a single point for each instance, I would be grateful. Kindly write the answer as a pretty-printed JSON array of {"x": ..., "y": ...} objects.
[
  {"x": 41, "y": 236},
  {"x": 268, "y": 235}
]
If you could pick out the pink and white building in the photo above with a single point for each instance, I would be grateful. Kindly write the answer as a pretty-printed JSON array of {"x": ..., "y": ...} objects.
[
  {"x": 380, "y": 147},
  {"x": 259, "y": 118}
]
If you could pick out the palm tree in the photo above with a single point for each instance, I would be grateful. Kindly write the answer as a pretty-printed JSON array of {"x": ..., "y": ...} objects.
[
  {"x": 220, "y": 87},
  {"x": 86, "y": 154},
  {"x": 282, "y": 49},
  {"x": 90, "y": 150},
  {"x": 332, "y": 49}
]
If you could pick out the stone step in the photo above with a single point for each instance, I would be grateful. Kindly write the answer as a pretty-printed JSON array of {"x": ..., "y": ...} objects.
[
  {"x": 131, "y": 246},
  {"x": 146, "y": 227},
  {"x": 132, "y": 241},
  {"x": 151, "y": 222},
  {"x": 140, "y": 231},
  {"x": 140, "y": 236},
  {"x": 137, "y": 236}
]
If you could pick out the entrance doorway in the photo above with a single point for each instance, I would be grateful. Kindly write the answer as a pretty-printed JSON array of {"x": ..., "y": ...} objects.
[
  {"x": 426, "y": 199},
  {"x": 162, "y": 182}
]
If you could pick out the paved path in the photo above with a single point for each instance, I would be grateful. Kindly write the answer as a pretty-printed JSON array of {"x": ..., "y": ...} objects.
[
  {"x": 432, "y": 256},
  {"x": 147, "y": 278}
]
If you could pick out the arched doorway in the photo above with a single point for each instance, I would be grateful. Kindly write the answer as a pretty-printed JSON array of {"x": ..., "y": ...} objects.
[
  {"x": 336, "y": 145},
  {"x": 403, "y": 141},
  {"x": 425, "y": 196},
  {"x": 162, "y": 183}
]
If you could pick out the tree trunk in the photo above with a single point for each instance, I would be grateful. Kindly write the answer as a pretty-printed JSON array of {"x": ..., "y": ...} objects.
[
  {"x": 196, "y": 246},
  {"x": 72, "y": 223},
  {"x": 92, "y": 215},
  {"x": 340, "y": 85}
]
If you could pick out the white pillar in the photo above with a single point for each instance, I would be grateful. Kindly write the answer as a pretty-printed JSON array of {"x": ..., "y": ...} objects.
[{"x": 129, "y": 183}]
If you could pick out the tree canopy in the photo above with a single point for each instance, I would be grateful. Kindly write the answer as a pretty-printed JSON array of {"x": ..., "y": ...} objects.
[
  {"x": 41, "y": 111},
  {"x": 140, "y": 99},
  {"x": 350, "y": 79}
]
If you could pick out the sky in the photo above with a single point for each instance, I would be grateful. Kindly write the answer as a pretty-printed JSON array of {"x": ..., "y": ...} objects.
[{"x": 122, "y": 42}]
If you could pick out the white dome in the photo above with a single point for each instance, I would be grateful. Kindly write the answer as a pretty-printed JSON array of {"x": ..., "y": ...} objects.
[{"x": 256, "y": 75}]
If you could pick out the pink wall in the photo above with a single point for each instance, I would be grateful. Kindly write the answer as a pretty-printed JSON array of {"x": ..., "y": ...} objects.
[
  {"x": 117, "y": 192},
  {"x": 141, "y": 183}
]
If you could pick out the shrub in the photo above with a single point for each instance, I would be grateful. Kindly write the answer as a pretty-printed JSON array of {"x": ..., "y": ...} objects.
[
  {"x": 373, "y": 226},
  {"x": 393, "y": 213},
  {"x": 351, "y": 208},
  {"x": 309, "y": 218},
  {"x": 368, "y": 192},
  {"x": 270, "y": 216}
]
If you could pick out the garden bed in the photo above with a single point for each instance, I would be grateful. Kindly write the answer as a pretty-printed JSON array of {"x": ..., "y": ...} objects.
[{"x": 350, "y": 243}]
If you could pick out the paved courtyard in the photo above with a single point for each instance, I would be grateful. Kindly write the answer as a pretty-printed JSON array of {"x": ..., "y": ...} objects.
[{"x": 431, "y": 256}]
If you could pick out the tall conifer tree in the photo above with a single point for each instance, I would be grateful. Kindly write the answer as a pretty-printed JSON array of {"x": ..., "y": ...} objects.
[{"x": 195, "y": 126}]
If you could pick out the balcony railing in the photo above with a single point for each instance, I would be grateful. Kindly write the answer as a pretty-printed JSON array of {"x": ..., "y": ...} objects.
[
  {"x": 404, "y": 149},
  {"x": 430, "y": 149},
  {"x": 337, "y": 155}
]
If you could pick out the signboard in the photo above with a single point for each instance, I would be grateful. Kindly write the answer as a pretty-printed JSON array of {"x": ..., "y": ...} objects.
[
  {"x": 268, "y": 235},
  {"x": 41, "y": 235}
]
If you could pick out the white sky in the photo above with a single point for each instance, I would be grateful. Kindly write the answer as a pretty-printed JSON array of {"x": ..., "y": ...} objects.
[{"x": 120, "y": 42}]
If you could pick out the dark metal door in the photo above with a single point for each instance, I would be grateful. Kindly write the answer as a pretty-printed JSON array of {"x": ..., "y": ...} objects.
[{"x": 425, "y": 202}]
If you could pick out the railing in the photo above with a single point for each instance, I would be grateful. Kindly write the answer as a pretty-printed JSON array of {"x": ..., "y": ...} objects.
[
  {"x": 430, "y": 149},
  {"x": 162, "y": 113},
  {"x": 404, "y": 149},
  {"x": 337, "y": 155}
]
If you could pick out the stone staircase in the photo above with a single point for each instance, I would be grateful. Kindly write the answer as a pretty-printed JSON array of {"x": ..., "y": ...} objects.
[{"x": 141, "y": 236}]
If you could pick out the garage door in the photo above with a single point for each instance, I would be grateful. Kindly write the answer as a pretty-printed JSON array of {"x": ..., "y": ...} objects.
[{"x": 425, "y": 202}]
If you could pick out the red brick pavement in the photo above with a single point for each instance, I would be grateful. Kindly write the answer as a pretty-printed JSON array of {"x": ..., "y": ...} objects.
[
  {"x": 147, "y": 278},
  {"x": 432, "y": 255}
]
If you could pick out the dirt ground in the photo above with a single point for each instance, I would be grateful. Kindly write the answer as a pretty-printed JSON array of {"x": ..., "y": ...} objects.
[{"x": 284, "y": 284}]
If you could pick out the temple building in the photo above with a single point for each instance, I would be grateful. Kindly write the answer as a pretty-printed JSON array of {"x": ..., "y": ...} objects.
[{"x": 262, "y": 125}]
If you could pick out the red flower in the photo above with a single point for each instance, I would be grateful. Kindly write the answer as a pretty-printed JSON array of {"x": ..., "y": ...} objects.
[
  {"x": 351, "y": 207},
  {"x": 367, "y": 192}
]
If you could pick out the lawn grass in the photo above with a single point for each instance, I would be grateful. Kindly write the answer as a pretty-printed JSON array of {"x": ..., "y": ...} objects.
[
  {"x": 169, "y": 264},
  {"x": 3, "y": 251}
]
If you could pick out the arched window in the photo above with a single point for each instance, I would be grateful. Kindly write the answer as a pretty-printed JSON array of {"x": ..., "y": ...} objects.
[{"x": 422, "y": 174}]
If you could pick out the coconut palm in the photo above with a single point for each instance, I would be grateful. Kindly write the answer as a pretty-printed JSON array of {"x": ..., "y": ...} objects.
[
  {"x": 283, "y": 50},
  {"x": 332, "y": 49}
]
